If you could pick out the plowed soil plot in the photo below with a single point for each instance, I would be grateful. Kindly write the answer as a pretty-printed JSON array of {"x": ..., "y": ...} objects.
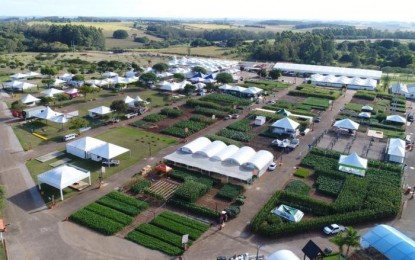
[
  {"x": 293, "y": 99},
  {"x": 210, "y": 201},
  {"x": 264, "y": 143},
  {"x": 360, "y": 101}
]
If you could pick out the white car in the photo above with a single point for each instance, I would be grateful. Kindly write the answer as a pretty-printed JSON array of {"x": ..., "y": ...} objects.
[
  {"x": 333, "y": 229},
  {"x": 272, "y": 166}
]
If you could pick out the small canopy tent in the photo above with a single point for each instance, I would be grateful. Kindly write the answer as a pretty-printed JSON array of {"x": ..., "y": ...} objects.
[
  {"x": 66, "y": 77},
  {"x": 58, "y": 82},
  {"x": 285, "y": 126},
  {"x": 102, "y": 110},
  {"x": 109, "y": 74},
  {"x": 225, "y": 87},
  {"x": 18, "y": 76},
  {"x": 283, "y": 255},
  {"x": 396, "y": 150},
  {"x": 29, "y": 100},
  {"x": 48, "y": 114},
  {"x": 63, "y": 176},
  {"x": 51, "y": 92},
  {"x": 346, "y": 124},
  {"x": 19, "y": 85},
  {"x": 73, "y": 92},
  {"x": 390, "y": 242},
  {"x": 396, "y": 119},
  {"x": 32, "y": 74},
  {"x": 364, "y": 115},
  {"x": 288, "y": 213},
  {"x": 129, "y": 100},
  {"x": 107, "y": 151},
  {"x": 367, "y": 108},
  {"x": 353, "y": 163}
]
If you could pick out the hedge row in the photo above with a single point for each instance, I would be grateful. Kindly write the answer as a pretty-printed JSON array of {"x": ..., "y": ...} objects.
[
  {"x": 185, "y": 221},
  {"x": 236, "y": 135},
  {"x": 96, "y": 222},
  {"x": 176, "y": 228},
  {"x": 242, "y": 126},
  {"x": 110, "y": 213},
  {"x": 226, "y": 99},
  {"x": 117, "y": 205},
  {"x": 154, "y": 118},
  {"x": 207, "y": 104},
  {"x": 210, "y": 112},
  {"x": 161, "y": 234},
  {"x": 154, "y": 243},
  {"x": 140, "y": 186},
  {"x": 128, "y": 200},
  {"x": 194, "y": 208},
  {"x": 171, "y": 112},
  {"x": 298, "y": 187}
]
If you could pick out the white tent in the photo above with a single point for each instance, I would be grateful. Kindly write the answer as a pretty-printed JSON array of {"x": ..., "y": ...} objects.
[
  {"x": 128, "y": 100},
  {"x": 102, "y": 110},
  {"x": 288, "y": 213},
  {"x": 138, "y": 99},
  {"x": 58, "y": 82},
  {"x": 109, "y": 74},
  {"x": 396, "y": 150},
  {"x": 119, "y": 80},
  {"x": 367, "y": 108},
  {"x": 29, "y": 99},
  {"x": 396, "y": 119},
  {"x": 346, "y": 124},
  {"x": 18, "y": 76},
  {"x": 32, "y": 74},
  {"x": 62, "y": 119},
  {"x": 364, "y": 114},
  {"x": 19, "y": 85},
  {"x": 12, "y": 84},
  {"x": 285, "y": 126},
  {"x": 108, "y": 151},
  {"x": 260, "y": 160},
  {"x": 225, "y": 87},
  {"x": 93, "y": 82},
  {"x": 241, "y": 156},
  {"x": 72, "y": 91},
  {"x": 51, "y": 92},
  {"x": 66, "y": 76},
  {"x": 212, "y": 148},
  {"x": 200, "y": 85},
  {"x": 63, "y": 176},
  {"x": 252, "y": 91},
  {"x": 283, "y": 255},
  {"x": 353, "y": 163},
  {"x": 171, "y": 86},
  {"x": 195, "y": 145},
  {"x": 82, "y": 146},
  {"x": 48, "y": 114}
]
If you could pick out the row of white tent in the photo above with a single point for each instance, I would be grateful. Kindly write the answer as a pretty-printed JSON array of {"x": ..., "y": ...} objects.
[
  {"x": 407, "y": 90},
  {"x": 25, "y": 75},
  {"x": 249, "y": 90},
  {"x": 211, "y": 65},
  {"x": 340, "y": 81}
]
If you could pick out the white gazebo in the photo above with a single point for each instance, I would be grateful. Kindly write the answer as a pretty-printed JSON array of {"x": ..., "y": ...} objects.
[
  {"x": 353, "y": 164},
  {"x": 396, "y": 150},
  {"x": 51, "y": 92},
  {"x": 83, "y": 146},
  {"x": 128, "y": 100},
  {"x": 63, "y": 176},
  {"x": 364, "y": 115},
  {"x": 58, "y": 82},
  {"x": 29, "y": 100},
  {"x": 367, "y": 108},
  {"x": 107, "y": 151},
  {"x": 396, "y": 119},
  {"x": 346, "y": 124},
  {"x": 109, "y": 74},
  {"x": 285, "y": 126},
  {"x": 102, "y": 110}
]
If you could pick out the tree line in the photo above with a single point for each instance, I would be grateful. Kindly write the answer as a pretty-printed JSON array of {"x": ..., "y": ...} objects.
[
  {"x": 351, "y": 32},
  {"x": 19, "y": 36}
]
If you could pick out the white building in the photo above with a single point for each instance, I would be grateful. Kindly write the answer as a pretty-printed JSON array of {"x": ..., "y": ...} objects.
[
  {"x": 407, "y": 90},
  {"x": 343, "y": 81}
]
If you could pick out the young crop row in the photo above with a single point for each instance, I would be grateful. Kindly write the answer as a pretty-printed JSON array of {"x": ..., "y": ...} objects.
[
  {"x": 185, "y": 221},
  {"x": 176, "y": 228},
  {"x": 235, "y": 135},
  {"x": 154, "y": 243},
  {"x": 96, "y": 222}
]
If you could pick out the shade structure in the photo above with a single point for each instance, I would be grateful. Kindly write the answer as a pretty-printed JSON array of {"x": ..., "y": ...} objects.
[
  {"x": 347, "y": 124},
  {"x": 62, "y": 119},
  {"x": 119, "y": 80},
  {"x": 51, "y": 92},
  {"x": 58, "y": 82},
  {"x": 225, "y": 87},
  {"x": 128, "y": 100},
  {"x": 200, "y": 85},
  {"x": 29, "y": 99},
  {"x": 252, "y": 91},
  {"x": 72, "y": 91},
  {"x": 283, "y": 255},
  {"x": 109, "y": 74},
  {"x": 353, "y": 163},
  {"x": 102, "y": 110},
  {"x": 48, "y": 114},
  {"x": 286, "y": 123},
  {"x": 32, "y": 74},
  {"x": 138, "y": 99},
  {"x": 109, "y": 151},
  {"x": 396, "y": 119},
  {"x": 396, "y": 150},
  {"x": 63, "y": 176},
  {"x": 66, "y": 76},
  {"x": 19, "y": 85},
  {"x": 389, "y": 241},
  {"x": 283, "y": 112},
  {"x": 367, "y": 108},
  {"x": 364, "y": 114},
  {"x": 83, "y": 146},
  {"x": 12, "y": 84},
  {"x": 195, "y": 145},
  {"x": 93, "y": 82},
  {"x": 18, "y": 76}
]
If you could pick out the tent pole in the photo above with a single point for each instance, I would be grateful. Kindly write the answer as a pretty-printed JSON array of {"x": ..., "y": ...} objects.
[
  {"x": 61, "y": 194},
  {"x": 39, "y": 184}
]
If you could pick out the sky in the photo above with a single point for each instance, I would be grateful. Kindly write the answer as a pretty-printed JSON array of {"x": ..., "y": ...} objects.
[{"x": 327, "y": 10}]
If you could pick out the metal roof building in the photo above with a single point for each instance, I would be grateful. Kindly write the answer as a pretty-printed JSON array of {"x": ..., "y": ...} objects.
[{"x": 325, "y": 70}]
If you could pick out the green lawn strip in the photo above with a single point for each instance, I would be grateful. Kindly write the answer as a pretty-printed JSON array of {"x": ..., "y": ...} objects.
[
  {"x": 96, "y": 222},
  {"x": 120, "y": 206},
  {"x": 161, "y": 234},
  {"x": 176, "y": 228},
  {"x": 110, "y": 213},
  {"x": 185, "y": 221},
  {"x": 298, "y": 187},
  {"x": 142, "y": 205},
  {"x": 154, "y": 243}
]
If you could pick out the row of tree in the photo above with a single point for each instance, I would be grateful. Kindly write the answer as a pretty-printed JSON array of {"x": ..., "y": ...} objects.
[{"x": 351, "y": 32}]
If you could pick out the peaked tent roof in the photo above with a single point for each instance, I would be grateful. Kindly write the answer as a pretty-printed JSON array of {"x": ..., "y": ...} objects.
[
  {"x": 18, "y": 76},
  {"x": 86, "y": 144},
  {"x": 128, "y": 100},
  {"x": 368, "y": 108},
  {"x": 286, "y": 123},
  {"x": 396, "y": 147},
  {"x": 63, "y": 176},
  {"x": 225, "y": 87},
  {"x": 51, "y": 92},
  {"x": 62, "y": 119},
  {"x": 29, "y": 99},
  {"x": 365, "y": 114},
  {"x": 354, "y": 161},
  {"x": 396, "y": 118},
  {"x": 48, "y": 114},
  {"x": 109, "y": 151},
  {"x": 72, "y": 91},
  {"x": 109, "y": 74},
  {"x": 347, "y": 124},
  {"x": 57, "y": 82},
  {"x": 138, "y": 99},
  {"x": 283, "y": 255},
  {"x": 390, "y": 242},
  {"x": 102, "y": 110}
]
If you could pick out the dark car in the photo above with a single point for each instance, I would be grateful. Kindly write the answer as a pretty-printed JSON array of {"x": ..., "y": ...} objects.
[
  {"x": 111, "y": 162},
  {"x": 317, "y": 119},
  {"x": 410, "y": 118}
]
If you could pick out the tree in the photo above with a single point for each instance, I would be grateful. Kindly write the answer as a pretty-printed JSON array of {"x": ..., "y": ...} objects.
[
  {"x": 197, "y": 69},
  {"x": 385, "y": 82},
  {"x": 45, "y": 100},
  {"x": 275, "y": 74},
  {"x": 77, "y": 123},
  {"x": 224, "y": 78},
  {"x": 189, "y": 88},
  {"x": 262, "y": 73},
  {"x": 48, "y": 82},
  {"x": 148, "y": 77},
  {"x": 85, "y": 89},
  {"x": 351, "y": 239},
  {"x": 18, "y": 105},
  {"x": 73, "y": 70},
  {"x": 78, "y": 77},
  {"x": 50, "y": 71},
  {"x": 210, "y": 87},
  {"x": 179, "y": 76},
  {"x": 120, "y": 34},
  {"x": 160, "y": 67},
  {"x": 339, "y": 241},
  {"x": 120, "y": 106}
]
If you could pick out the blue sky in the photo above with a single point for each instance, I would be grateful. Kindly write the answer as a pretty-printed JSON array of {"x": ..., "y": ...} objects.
[{"x": 364, "y": 10}]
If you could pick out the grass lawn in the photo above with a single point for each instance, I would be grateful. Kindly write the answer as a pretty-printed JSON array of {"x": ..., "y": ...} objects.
[
  {"x": 209, "y": 51},
  {"x": 132, "y": 138},
  {"x": 2, "y": 252}
]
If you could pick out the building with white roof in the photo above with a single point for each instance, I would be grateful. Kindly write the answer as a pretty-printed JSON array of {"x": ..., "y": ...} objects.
[
  {"x": 399, "y": 88},
  {"x": 343, "y": 81}
]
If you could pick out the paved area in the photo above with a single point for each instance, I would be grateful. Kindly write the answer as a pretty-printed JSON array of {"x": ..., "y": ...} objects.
[{"x": 37, "y": 233}]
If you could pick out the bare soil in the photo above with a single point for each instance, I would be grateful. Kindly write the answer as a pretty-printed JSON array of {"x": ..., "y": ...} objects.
[{"x": 210, "y": 201}]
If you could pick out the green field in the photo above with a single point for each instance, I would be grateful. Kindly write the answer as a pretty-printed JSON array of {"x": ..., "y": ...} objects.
[
  {"x": 210, "y": 51},
  {"x": 139, "y": 142}
]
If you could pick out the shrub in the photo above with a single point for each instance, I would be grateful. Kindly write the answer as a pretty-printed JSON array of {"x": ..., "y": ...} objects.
[
  {"x": 110, "y": 213},
  {"x": 302, "y": 173},
  {"x": 127, "y": 200},
  {"x": 329, "y": 185},
  {"x": 230, "y": 191},
  {"x": 194, "y": 208},
  {"x": 140, "y": 186},
  {"x": 298, "y": 187},
  {"x": 176, "y": 228},
  {"x": 185, "y": 221},
  {"x": 153, "y": 243},
  {"x": 171, "y": 112},
  {"x": 117, "y": 205},
  {"x": 210, "y": 112},
  {"x": 154, "y": 118},
  {"x": 96, "y": 222},
  {"x": 242, "y": 126}
]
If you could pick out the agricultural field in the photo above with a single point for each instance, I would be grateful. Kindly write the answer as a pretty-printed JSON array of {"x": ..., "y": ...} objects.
[
  {"x": 144, "y": 143},
  {"x": 357, "y": 200},
  {"x": 164, "y": 233},
  {"x": 109, "y": 214},
  {"x": 208, "y": 52}
]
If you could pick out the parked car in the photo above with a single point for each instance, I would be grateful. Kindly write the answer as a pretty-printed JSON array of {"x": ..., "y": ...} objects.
[
  {"x": 111, "y": 162},
  {"x": 333, "y": 229},
  {"x": 410, "y": 118},
  {"x": 235, "y": 116},
  {"x": 130, "y": 115},
  {"x": 317, "y": 119},
  {"x": 294, "y": 143},
  {"x": 112, "y": 121},
  {"x": 272, "y": 166}
]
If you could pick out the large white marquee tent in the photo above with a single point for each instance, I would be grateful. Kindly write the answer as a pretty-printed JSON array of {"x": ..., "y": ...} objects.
[
  {"x": 396, "y": 150},
  {"x": 63, "y": 176},
  {"x": 216, "y": 157},
  {"x": 338, "y": 82},
  {"x": 92, "y": 148},
  {"x": 353, "y": 164}
]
